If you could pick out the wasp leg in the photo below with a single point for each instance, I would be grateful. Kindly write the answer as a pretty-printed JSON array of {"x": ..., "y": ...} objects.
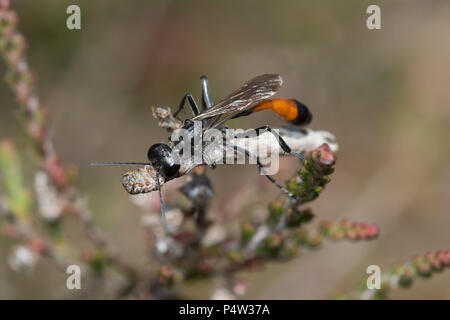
[
  {"x": 261, "y": 168},
  {"x": 209, "y": 162},
  {"x": 206, "y": 100},
  {"x": 163, "y": 211},
  {"x": 283, "y": 145},
  {"x": 192, "y": 104}
]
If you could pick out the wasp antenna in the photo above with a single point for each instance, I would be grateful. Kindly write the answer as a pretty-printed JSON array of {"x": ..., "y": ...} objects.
[
  {"x": 119, "y": 163},
  {"x": 163, "y": 214}
]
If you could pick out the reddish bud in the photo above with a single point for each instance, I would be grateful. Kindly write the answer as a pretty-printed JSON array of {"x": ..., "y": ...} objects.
[
  {"x": 56, "y": 172},
  {"x": 37, "y": 245},
  {"x": 4, "y": 4}
]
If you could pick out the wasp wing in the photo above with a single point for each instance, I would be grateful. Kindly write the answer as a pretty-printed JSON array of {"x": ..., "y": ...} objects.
[{"x": 251, "y": 93}]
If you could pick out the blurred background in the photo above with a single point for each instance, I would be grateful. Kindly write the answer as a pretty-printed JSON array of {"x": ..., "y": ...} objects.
[{"x": 383, "y": 93}]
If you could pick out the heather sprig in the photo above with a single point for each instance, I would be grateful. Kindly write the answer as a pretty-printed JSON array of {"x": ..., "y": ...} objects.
[
  {"x": 58, "y": 178},
  {"x": 402, "y": 276}
]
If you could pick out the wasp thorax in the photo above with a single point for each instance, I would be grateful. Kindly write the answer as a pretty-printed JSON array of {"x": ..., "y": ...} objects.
[{"x": 163, "y": 160}]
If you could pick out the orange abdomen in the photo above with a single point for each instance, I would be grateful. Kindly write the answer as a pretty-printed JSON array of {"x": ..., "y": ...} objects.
[{"x": 289, "y": 109}]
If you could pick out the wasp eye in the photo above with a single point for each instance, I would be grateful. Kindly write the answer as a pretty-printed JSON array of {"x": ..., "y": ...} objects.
[{"x": 158, "y": 151}]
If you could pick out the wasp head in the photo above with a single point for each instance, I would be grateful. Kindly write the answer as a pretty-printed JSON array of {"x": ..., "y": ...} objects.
[{"x": 163, "y": 160}]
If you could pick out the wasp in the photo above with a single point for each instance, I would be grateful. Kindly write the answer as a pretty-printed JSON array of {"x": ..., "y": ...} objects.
[{"x": 253, "y": 96}]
